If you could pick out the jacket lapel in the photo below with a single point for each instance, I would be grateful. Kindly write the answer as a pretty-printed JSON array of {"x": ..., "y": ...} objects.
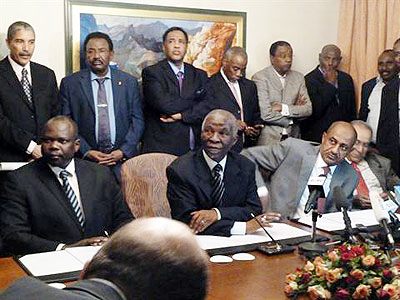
[
  {"x": 171, "y": 75},
  {"x": 306, "y": 166},
  {"x": 231, "y": 176},
  {"x": 86, "y": 191},
  {"x": 204, "y": 176},
  {"x": 118, "y": 87},
  {"x": 86, "y": 86}
]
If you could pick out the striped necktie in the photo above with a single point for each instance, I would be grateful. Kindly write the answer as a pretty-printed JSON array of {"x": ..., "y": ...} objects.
[
  {"x": 72, "y": 197},
  {"x": 218, "y": 185},
  {"x": 26, "y": 85}
]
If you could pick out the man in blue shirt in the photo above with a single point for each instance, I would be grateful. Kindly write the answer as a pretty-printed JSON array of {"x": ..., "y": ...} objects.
[{"x": 105, "y": 104}]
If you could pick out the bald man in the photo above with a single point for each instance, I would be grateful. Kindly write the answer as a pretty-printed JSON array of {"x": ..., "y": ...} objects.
[
  {"x": 332, "y": 95},
  {"x": 128, "y": 266},
  {"x": 293, "y": 162}
]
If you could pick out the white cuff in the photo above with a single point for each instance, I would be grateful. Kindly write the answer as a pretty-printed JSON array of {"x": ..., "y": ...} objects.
[
  {"x": 218, "y": 213},
  {"x": 262, "y": 191},
  {"x": 31, "y": 147},
  {"x": 285, "y": 110},
  {"x": 59, "y": 247},
  {"x": 239, "y": 228}
]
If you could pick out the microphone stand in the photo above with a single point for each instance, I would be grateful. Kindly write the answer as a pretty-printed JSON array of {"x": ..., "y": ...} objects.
[{"x": 313, "y": 246}]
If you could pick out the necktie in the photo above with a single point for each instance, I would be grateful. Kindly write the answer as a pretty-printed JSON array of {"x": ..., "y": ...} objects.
[
  {"x": 72, "y": 197},
  {"x": 218, "y": 185},
  {"x": 26, "y": 85},
  {"x": 362, "y": 188},
  {"x": 103, "y": 134},
  {"x": 237, "y": 98},
  {"x": 179, "y": 75}
]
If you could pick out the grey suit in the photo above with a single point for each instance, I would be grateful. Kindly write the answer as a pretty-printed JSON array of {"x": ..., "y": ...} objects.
[
  {"x": 383, "y": 171},
  {"x": 291, "y": 163},
  {"x": 270, "y": 90}
]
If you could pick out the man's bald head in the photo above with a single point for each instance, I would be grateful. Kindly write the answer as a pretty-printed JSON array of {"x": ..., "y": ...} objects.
[
  {"x": 330, "y": 57},
  {"x": 73, "y": 128},
  {"x": 396, "y": 49},
  {"x": 153, "y": 258}
]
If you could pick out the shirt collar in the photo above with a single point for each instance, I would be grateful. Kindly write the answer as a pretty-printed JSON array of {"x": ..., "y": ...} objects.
[
  {"x": 226, "y": 78},
  {"x": 379, "y": 79},
  {"x": 279, "y": 75},
  {"x": 94, "y": 76},
  {"x": 70, "y": 168},
  {"x": 18, "y": 68},
  {"x": 212, "y": 163},
  {"x": 320, "y": 163},
  {"x": 175, "y": 69}
]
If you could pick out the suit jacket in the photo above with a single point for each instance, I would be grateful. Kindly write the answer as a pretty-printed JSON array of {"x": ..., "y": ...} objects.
[
  {"x": 383, "y": 171},
  {"x": 32, "y": 288},
  {"x": 190, "y": 187},
  {"x": 77, "y": 102},
  {"x": 330, "y": 104},
  {"x": 36, "y": 214},
  {"x": 291, "y": 163},
  {"x": 162, "y": 97},
  {"x": 224, "y": 99},
  {"x": 387, "y": 136},
  {"x": 270, "y": 90},
  {"x": 20, "y": 121}
]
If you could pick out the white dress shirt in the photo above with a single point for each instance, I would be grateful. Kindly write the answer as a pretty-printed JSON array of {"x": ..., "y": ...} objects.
[
  {"x": 238, "y": 96},
  {"x": 374, "y": 103},
  {"x": 285, "y": 108}
]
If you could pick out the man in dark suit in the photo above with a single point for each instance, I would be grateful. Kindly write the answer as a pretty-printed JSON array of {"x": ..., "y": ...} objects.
[
  {"x": 213, "y": 189},
  {"x": 238, "y": 95},
  {"x": 28, "y": 97},
  {"x": 128, "y": 266},
  {"x": 105, "y": 104},
  {"x": 293, "y": 162},
  {"x": 58, "y": 201},
  {"x": 380, "y": 105},
  {"x": 332, "y": 95},
  {"x": 176, "y": 99},
  {"x": 375, "y": 170}
]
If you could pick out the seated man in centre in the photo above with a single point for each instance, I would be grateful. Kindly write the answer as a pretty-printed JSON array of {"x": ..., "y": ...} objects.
[{"x": 213, "y": 189}]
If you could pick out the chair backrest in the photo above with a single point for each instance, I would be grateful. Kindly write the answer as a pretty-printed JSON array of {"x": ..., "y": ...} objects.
[{"x": 144, "y": 184}]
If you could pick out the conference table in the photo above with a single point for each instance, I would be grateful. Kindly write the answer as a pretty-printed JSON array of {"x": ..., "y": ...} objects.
[{"x": 262, "y": 278}]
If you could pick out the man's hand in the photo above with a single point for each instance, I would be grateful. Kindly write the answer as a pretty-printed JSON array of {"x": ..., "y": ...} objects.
[
  {"x": 201, "y": 219},
  {"x": 37, "y": 152},
  {"x": 330, "y": 75},
  {"x": 177, "y": 116},
  {"x": 172, "y": 118},
  {"x": 93, "y": 241},
  {"x": 254, "y": 131},
  {"x": 300, "y": 100},
  {"x": 105, "y": 159},
  {"x": 361, "y": 201},
  {"x": 264, "y": 219},
  {"x": 276, "y": 107},
  {"x": 96, "y": 155},
  {"x": 242, "y": 125}
]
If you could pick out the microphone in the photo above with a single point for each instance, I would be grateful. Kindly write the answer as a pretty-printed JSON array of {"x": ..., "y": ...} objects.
[
  {"x": 342, "y": 205},
  {"x": 315, "y": 186},
  {"x": 381, "y": 214}
]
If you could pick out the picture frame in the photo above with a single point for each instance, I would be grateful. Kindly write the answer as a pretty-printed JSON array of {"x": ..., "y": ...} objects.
[{"x": 136, "y": 31}]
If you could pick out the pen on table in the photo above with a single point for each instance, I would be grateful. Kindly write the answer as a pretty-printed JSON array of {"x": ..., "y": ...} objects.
[
  {"x": 258, "y": 222},
  {"x": 106, "y": 234}
]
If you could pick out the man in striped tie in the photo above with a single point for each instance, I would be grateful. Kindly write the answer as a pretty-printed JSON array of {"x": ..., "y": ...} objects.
[
  {"x": 213, "y": 189},
  {"x": 60, "y": 201}
]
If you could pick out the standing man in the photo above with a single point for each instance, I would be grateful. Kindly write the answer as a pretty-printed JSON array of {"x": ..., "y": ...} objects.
[
  {"x": 59, "y": 201},
  {"x": 238, "y": 95},
  {"x": 293, "y": 162},
  {"x": 105, "y": 104},
  {"x": 332, "y": 95},
  {"x": 375, "y": 170},
  {"x": 176, "y": 99},
  {"x": 380, "y": 108},
  {"x": 28, "y": 97},
  {"x": 213, "y": 190},
  {"x": 282, "y": 95}
]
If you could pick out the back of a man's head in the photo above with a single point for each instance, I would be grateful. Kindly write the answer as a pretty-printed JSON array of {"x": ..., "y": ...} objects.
[{"x": 153, "y": 259}]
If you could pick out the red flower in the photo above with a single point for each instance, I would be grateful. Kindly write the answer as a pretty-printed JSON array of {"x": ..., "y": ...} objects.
[
  {"x": 383, "y": 295},
  {"x": 358, "y": 250},
  {"x": 342, "y": 294},
  {"x": 346, "y": 256},
  {"x": 387, "y": 273},
  {"x": 306, "y": 277},
  {"x": 343, "y": 248},
  {"x": 378, "y": 262}
]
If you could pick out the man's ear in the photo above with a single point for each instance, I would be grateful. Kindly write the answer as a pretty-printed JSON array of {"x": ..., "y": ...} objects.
[{"x": 77, "y": 145}]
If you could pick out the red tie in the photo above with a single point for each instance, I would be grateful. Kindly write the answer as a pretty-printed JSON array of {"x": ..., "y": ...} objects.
[{"x": 362, "y": 188}]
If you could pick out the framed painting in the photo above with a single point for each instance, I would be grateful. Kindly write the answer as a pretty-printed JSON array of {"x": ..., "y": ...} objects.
[{"x": 136, "y": 32}]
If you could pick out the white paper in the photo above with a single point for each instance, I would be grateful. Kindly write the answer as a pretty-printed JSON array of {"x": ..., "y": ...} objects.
[
  {"x": 278, "y": 231},
  {"x": 83, "y": 254},
  {"x": 10, "y": 166}
]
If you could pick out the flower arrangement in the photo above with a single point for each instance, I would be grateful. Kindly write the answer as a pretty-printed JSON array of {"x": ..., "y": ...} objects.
[{"x": 346, "y": 272}]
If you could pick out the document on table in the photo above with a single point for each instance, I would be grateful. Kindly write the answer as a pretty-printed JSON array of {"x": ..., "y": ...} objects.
[
  {"x": 10, "y": 166},
  {"x": 58, "y": 265},
  {"x": 334, "y": 221},
  {"x": 279, "y": 231}
]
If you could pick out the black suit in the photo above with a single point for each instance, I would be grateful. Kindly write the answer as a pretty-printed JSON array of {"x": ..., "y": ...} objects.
[
  {"x": 224, "y": 99},
  {"x": 330, "y": 104},
  {"x": 387, "y": 135},
  {"x": 20, "y": 121},
  {"x": 162, "y": 97},
  {"x": 36, "y": 214},
  {"x": 32, "y": 288},
  {"x": 190, "y": 187}
]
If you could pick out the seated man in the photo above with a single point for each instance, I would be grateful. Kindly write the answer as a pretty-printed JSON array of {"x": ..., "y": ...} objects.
[
  {"x": 213, "y": 189},
  {"x": 128, "y": 266},
  {"x": 58, "y": 201},
  {"x": 374, "y": 170},
  {"x": 294, "y": 161}
]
